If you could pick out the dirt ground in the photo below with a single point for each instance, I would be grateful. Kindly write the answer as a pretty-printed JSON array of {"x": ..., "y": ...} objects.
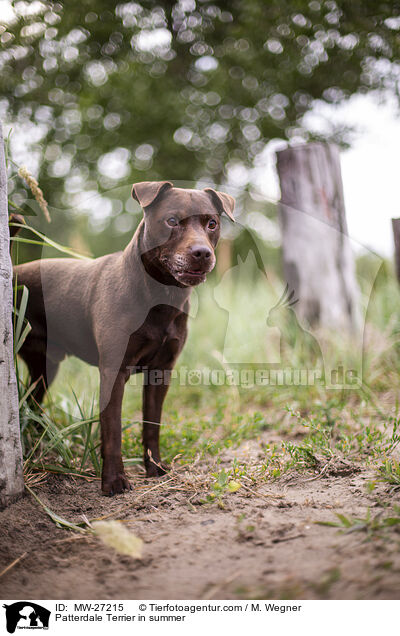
[{"x": 263, "y": 544}]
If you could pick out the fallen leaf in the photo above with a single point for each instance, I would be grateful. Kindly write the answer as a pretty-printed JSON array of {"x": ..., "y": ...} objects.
[
  {"x": 233, "y": 486},
  {"x": 117, "y": 536}
]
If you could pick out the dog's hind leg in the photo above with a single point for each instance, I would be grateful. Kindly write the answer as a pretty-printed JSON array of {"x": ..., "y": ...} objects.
[{"x": 42, "y": 372}]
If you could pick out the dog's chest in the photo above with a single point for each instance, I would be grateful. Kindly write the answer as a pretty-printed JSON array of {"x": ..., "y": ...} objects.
[{"x": 160, "y": 339}]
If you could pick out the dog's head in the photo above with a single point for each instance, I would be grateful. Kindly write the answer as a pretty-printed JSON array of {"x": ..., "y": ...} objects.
[{"x": 181, "y": 229}]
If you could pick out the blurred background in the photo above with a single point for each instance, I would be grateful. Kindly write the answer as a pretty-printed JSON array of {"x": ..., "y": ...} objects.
[{"x": 100, "y": 95}]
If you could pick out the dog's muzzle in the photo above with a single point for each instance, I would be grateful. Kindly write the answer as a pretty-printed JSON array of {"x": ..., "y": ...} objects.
[{"x": 192, "y": 269}]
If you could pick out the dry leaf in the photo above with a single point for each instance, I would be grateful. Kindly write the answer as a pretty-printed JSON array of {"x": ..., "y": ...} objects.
[
  {"x": 116, "y": 535},
  {"x": 233, "y": 486}
]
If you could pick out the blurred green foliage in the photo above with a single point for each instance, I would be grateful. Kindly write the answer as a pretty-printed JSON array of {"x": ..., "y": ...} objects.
[{"x": 109, "y": 93}]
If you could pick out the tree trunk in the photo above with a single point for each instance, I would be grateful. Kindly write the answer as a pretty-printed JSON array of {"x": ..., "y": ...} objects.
[
  {"x": 11, "y": 475},
  {"x": 396, "y": 236},
  {"x": 317, "y": 257}
]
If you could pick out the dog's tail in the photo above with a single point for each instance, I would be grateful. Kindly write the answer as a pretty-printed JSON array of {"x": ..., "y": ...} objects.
[{"x": 14, "y": 218}]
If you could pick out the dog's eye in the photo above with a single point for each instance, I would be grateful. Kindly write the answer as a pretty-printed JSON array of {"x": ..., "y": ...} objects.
[
  {"x": 172, "y": 221},
  {"x": 212, "y": 224}
]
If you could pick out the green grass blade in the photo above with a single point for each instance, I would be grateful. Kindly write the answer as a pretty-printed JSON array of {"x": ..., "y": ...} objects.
[
  {"x": 346, "y": 522},
  {"x": 22, "y": 337},
  {"x": 47, "y": 241},
  {"x": 21, "y": 332},
  {"x": 58, "y": 468},
  {"x": 59, "y": 521},
  {"x": 330, "y": 524}
]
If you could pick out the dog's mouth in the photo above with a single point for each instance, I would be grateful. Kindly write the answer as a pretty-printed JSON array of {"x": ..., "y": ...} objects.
[
  {"x": 187, "y": 273},
  {"x": 191, "y": 277}
]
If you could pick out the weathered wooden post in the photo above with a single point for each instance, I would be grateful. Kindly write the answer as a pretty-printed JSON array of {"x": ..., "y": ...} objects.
[
  {"x": 396, "y": 236},
  {"x": 317, "y": 257},
  {"x": 11, "y": 474}
]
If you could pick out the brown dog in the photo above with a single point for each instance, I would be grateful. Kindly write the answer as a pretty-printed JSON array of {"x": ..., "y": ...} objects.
[{"x": 125, "y": 312}]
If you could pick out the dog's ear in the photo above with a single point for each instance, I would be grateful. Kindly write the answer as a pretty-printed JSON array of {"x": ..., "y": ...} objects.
[
  {"x": 147, "y": 192},
  {"x": 223, "y": 202}
]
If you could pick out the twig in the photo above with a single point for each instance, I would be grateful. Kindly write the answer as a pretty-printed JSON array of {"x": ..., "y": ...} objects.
[
  {"x": 74, "y": 537},
  {"x": 325, "y": 468},
  {"x": 296, "y": 536},
  {"x": 258, "y": 494},
  {"x": 125, "y": 508},
  {"x": 218, "y": 586},
  {"x": 13, "y": 563}
]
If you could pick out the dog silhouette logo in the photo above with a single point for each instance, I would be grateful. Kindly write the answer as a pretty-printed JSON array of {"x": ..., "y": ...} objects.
[{"x": 26, "y": 615}]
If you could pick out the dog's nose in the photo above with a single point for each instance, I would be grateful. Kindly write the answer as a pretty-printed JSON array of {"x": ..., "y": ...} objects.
[{"x": 200, "y": 251}]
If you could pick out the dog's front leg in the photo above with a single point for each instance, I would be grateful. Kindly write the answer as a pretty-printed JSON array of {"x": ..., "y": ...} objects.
[
  {"x": 153, "y": 398},
  {"x": 113, "y": 478}
]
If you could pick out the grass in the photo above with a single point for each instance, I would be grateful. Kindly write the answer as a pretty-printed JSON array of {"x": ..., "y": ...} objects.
[
  {"x": 335, "y": 437},
  {"x": 372, "y": 525},
  {"x": 390, "y": 472}
]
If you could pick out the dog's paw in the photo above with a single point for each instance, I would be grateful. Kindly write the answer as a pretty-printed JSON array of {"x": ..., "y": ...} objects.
[
  {"x": 156, "y": 470},
  {"x": 115, "y": 485}
]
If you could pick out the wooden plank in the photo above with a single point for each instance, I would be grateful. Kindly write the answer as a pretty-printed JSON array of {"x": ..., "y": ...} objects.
[
  {"x": 11, "y": 473},
  {"x": 317, "y": 257}
]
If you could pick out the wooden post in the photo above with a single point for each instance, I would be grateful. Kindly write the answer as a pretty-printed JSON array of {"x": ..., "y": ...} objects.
[
  {"x": 317, "y": 257},
  {"x": 11, "y": 474},
  {"x": 396, "y": 236}
]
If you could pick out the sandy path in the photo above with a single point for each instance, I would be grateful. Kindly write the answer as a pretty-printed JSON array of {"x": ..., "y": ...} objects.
[{"x": 259, "y": 546}]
